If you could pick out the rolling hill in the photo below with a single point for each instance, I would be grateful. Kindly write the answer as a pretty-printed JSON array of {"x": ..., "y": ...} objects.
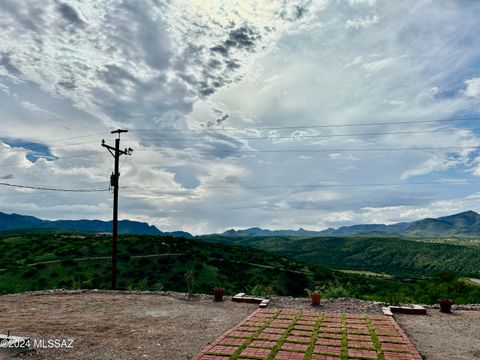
[
  {"x": 46, "y": 259},
  {"x": 391, "y": 254}
]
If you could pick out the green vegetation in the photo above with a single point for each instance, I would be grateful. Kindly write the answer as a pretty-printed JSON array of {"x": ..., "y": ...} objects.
[
  {"x": 393, "y": 255},
  {"x": 366, "y": 273},
  {"x": 190, "y": 280},
  {"x": 34, "y": 260}
]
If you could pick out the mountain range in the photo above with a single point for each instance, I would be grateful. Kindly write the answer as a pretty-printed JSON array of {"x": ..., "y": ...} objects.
[
  {"x": 16, "y": 222},
  {"x": 462, "y": 224}
]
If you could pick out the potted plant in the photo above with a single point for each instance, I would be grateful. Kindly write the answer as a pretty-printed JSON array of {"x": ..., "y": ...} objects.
[
  {"x": 218, "y": 294},
  {"x": 445, "y": 305},
  {"x": 315, "y": 296}
]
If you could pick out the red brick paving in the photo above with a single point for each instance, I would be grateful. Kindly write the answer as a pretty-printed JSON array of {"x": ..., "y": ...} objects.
[
  {"x": 328, "y": 335},
  {"x": 298, "y": 339},
  {"x": 288, "y": 334},
  {"x": 263, "y": 343},
  {"x": 328, "y": 350},
  {"x": 331, "y": 342},
  {"x": 289, "y": 355},
  {"x": 325, "y": 357},
  {"x": 287, "y": 346},
  {"x": 362, "y": 354},
  {"x": 256, "y": 352}
]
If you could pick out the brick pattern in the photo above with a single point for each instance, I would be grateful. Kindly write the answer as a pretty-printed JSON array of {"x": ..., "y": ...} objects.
[{"x": 288, "y": 334}]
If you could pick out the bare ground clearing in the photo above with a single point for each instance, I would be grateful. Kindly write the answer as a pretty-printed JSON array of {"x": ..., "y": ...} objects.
[
  {"x": 119, "y": 326},
  {"x": 441, "y": 336}
]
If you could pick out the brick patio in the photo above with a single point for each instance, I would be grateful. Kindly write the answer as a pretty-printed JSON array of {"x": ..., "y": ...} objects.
[{"x": 288, "y": 334}]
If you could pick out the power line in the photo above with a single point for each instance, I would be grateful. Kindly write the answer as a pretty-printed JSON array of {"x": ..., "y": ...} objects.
[
  {"x": 311, "y": 150},
  {"x": 31, "y": 193},
  {"x": 51, "y": 188},
  {"x": 63, "y": 157},
  {"x": 448, "y": 182},
  {"x": 313, "y": 126},
  {"x": 301, "y": 136},
  {"x": 42, "y": 146},
  {"x": 48, "y": 190},
  {"x": 82, "y": 136}
]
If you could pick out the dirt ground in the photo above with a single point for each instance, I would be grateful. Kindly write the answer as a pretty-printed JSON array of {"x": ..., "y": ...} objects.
[
  {"x": 439, "y": 336},
  {"x": 119, "y": 326}
]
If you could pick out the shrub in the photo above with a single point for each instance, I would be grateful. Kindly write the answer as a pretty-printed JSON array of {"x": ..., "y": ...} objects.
[
  {"x": 190, "y": 280},
  {"x": 142, "y": 285},
  {"x": 262, "y": 290},
  {"x": 336, "y": 290}
]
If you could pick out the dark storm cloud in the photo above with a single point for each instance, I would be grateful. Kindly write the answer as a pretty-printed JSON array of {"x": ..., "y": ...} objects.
[
  {"x": 295, "y": 12},
  {"x": 67, "y": 85},
  {"x": 218, "y": 121},
  {"x": 216, "y": 66},
  {"x": 242, "y": 38},
  {"x": 69, "y": 14},
  {"x": 6, "y": 62},
  {"x": 222, "y": 119},
  {"x": 232, "y": 64}
]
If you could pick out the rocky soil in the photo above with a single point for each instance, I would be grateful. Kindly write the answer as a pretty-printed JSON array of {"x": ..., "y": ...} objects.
[
  {"x": 441, "y": 336},
  {"x": 117, "y": 326}
]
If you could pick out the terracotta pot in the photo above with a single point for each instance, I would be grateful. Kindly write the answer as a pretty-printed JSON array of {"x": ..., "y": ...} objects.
[
  {"x": 218, "y": 294},
  {"x": 315, "y": 298},
  {"x": 445, "y": 306}
]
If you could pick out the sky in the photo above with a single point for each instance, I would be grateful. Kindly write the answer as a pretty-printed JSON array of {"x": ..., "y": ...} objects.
[{"x": 279, "y": 114}]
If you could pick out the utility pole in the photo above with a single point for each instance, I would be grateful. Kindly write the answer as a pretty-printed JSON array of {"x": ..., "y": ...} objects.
[{"x": 116, "y": 152}]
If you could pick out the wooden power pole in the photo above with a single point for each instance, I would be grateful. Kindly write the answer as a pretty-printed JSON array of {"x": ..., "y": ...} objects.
[{"x": 116, "y": 152}]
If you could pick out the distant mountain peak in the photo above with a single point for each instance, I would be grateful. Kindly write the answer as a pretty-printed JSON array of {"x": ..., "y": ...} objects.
[{"x": 466, "y": 223}]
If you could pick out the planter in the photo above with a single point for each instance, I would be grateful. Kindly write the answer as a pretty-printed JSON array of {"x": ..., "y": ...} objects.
[
  {"x": 445, "y": 306},
  {"x": 218, "y": 294},
  {"x": 315, "y": 299}
]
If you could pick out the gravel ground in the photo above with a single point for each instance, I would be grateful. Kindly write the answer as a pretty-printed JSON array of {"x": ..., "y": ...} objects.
[
  {"x": 439, "y": 336},
  {"x": 109, "y": 325},
  {"x": 329, "y": 305}
]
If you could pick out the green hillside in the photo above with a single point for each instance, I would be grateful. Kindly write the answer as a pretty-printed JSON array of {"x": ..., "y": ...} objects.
[
  {"x": 395, "y": 255},
  {"x": 37, "y": 260},
  {"x": 40, "y": 260}
]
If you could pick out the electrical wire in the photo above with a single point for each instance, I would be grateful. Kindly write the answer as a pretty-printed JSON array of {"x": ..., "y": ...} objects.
[
  {"x": 50, "y": 188},
  {"x": 302, "y": 136},
  {"x": 63, "y": 157},
  {"x": 449, "y": 182},
  {"x": 313, "y": 126},
  {"x": 310, "y": 150}
]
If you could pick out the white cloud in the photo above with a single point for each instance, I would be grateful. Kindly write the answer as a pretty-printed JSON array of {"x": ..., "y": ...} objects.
[
  {"x": 361, "y": 2},
  {"x": 472, "y": 87},
  {"x": 185, "y": 65},
  {"x": 358, "y": 23}
]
